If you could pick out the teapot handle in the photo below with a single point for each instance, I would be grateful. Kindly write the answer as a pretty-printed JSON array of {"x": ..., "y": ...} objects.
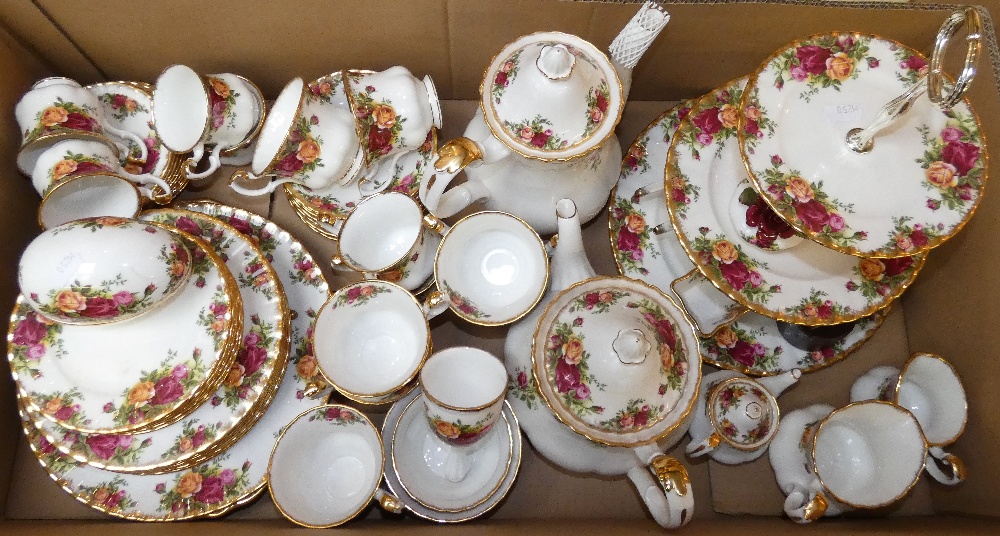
[
  {"x": 453, "y": 157},
  {"x": 666, "y": 490}
]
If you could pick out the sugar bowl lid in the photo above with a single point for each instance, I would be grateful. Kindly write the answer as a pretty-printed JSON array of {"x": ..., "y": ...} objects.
[
  {"x": 616, "y": 361},
  {"x": 551, "y": 96}
]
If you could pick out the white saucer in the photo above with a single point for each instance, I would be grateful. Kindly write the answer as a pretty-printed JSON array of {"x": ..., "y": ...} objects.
[{"x": 431, "y": 496}]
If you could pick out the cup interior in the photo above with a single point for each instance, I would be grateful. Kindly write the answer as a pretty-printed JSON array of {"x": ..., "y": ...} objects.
[
  {"x": 371, "y": 345},
  {"x": 933, "y": 393},
  {"x": 277, "y": 125},
  {"x": 323, "y": 473},
  {"x": 492, "y": 267},
  {"x": 464, "y": 378},
  {"x": 869, "y": 454},
  {"x": 84, "y": 196},
  {"x": 180, "y": 108},
  {"x": 381, "y": 231}
]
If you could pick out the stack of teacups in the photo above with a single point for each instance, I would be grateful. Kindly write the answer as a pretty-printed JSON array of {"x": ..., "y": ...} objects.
[{"x": 80, "y": 162}]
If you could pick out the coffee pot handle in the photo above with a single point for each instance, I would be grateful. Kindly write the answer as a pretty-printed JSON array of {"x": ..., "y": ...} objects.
[
  {"x": 452, "y": 158},
  {"x": 938, "y": 457},
  {"x": 666, "y": 490}
]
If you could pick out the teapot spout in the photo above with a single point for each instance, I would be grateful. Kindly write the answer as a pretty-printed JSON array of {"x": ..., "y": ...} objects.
[
  {"x": 634, "y": 39},
  {"x": 778, "y": 384}
]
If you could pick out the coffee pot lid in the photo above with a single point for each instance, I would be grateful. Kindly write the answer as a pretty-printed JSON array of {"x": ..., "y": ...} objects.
[{"x": 552, "y": 96}]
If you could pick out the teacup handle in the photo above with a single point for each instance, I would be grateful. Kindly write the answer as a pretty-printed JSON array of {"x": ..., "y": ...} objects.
[
  {"x": 367, "y": 184},
  {"x": 147, "y": 179},
  {"x": 246, "y": 175},
  {"x": 134, "y": 138},
  {"x": 704, "y": 446},
  {"x": 665, "y": 488},
  {"x": 435, "y": 304},
  {"x": 213, "y": 163},
  {"x": 937, "y": 457},
  {"x": 453, "y": 157},
  {"x": 805, "y": 506},
  {"x": 388, "y": 501},
  {"x": 714, "y": 308}
]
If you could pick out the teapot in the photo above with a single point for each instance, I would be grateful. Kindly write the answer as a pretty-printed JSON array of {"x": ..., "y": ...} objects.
[
  {"x": 549, "y": 106},
  {"x": 661, "y": 480}
]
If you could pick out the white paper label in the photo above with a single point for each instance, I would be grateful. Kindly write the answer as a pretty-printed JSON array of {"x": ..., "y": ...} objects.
[{"x": 841, "y": 113}]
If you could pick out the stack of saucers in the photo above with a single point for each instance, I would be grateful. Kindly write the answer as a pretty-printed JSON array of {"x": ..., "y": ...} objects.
[{"x": 149, "y": 399}]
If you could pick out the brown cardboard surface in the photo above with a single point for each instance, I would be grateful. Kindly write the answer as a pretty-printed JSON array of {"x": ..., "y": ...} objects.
[{"x": 452, "y": 40}]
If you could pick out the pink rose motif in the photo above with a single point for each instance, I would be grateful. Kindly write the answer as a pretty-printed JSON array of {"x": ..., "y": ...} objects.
[
  {"x": 582, "y": 392},
  {"x": 198, "y": 439},
  {"x": 798, "y": 73},
  {"x": 812, "y": 58},
  {"x": 776, "y": 160},
  {"x": 124, "y": 298},
  {"x": 241, "y": 225},
  {"x": 78, "y": 121},
  {"x": 825, "y": 310},
  {"x": 180, "y": 371},
  {"x": 596, "y": 116},
  {"x": 836, "y": 222},
  {"x": 752, "y": 128},
  {"x": 965, "y": 192},
  {"x": 735, "y": 273},
  {"x": 36, "y": 351},
  {"x": 380, "y": 140},
  {"x": 252, "y": 357},
  {"x": 602, "y": 102},
  {"x": 289, "y": 165},
  {"x": 29, "y": 331},
  {"x": 88, "y": 167},
  {"x": 166, "y": 390},
  {"x": 125, "y": 441},
  {"x": 98, "y": 307},
  {"x": 332, "y": 414},
  {"x": 118, "y": 100},
  {"x": 218, "y": 115},
  {"x": 813, "y": 214},
  {"x": 66, "y": 413},
  {"x": 228, "y": 477},
  {"x": 951, "y": 134},
  {"x": 541, "y": 138},
  {"x": 678, "y": 196},
  {"x": 44, "y": 446},
  {"x": 211, "y": 491},
  {"x": 102, "y": 445},
  {"x": 845, "y": 42},
  {"x": 873, "y": 63},
  {"x": 756, "y": 279},
  {"x": 743, "y": 353},
  {"x": 962, "y": 155},
  {"x": 708, "y": 121},
  {"x": 704, "y": 139},
  {"x": 252, "y": 339},
  {"x": 522, "y": 379},
  {"x": 567, "y": 376},
  {"x": 627, "y": 240},
  {"x": 642, "y": 417},
  {"x": 918, "y": 237},
  {"x": 187, "y": 225},
  {"x": 914, "y": 63},
  {"x": 896, "y": 265},
  {"x": 501, "y": 79},
  {"x": 758, "y": 349}
]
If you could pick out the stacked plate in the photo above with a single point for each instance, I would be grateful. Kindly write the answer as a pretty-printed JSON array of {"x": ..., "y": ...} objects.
[{"x": 210, "y": 376}]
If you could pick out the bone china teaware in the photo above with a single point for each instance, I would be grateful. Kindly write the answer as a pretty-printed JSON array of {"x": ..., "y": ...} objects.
[{"x": 545, "y": 129}]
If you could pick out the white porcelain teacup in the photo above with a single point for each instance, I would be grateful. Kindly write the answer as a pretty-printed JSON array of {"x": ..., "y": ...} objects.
[
  {"x": 326, "y": 467},
  {"x": 371, "y": 338},
  {"x": 394, "y": 111},
  {"x": 191, "y": 111},
  {"x": 303, "y": 142},
  {"x": 492, "y": 267},
  {"x": 87, "y": 195},
  {"x": 743, "y": 414},
  {"x": 387, "y": 236},
  {"x": 463, "y": 396},
  {"x": 928, "y": 387},
  {"x": 864, "y": 455},
  {"x": 59, "y": 108},
  {"x": 71, "y": 157}
]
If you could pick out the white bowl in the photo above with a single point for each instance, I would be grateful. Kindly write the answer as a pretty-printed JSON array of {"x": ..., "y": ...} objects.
[{"x": 101, "y": 270}]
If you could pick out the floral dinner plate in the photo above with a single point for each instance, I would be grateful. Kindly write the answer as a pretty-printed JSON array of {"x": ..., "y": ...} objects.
[
  {"x": 726, "y": 231},
  {"x": 237, "y": 476},
  {"x": 137, "y": 375},
  {"x": 918, "y": 185},
  {"x": 248, "y": 388}
]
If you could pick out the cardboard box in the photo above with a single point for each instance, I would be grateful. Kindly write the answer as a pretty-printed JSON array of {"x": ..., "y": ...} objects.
[{"x": 950, "y": 310}]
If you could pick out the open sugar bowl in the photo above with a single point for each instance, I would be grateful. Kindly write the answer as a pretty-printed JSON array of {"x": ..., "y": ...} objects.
[{"x": 101, "y": 270}]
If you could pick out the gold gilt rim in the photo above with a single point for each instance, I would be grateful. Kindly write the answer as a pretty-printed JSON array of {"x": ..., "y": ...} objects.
[
  {"x": 248, "y": 139},
  {"x": 40, "y": 143},
  {"x": 367, "y": 398},
  {"x": 614, "y": 191},
  {"x": 607, "y": 68},
  {"x": 480, "y": 407},
  {"x": 395, "y": 468},
  {"x": 31, "y": 433},
  {"x": 733, "y": 316},
  {"x": 378, "y": 472},
  {"x": 584, "y": 430},
  {"x": 175, "y": 174},
  {"x": 545, "y": 259},
  {"x": 899, "y": 384},
  {"x": 756, "y": 181},
  {"x": 225, "y": 357},
  {"x": 815, "y": 468},
  {"x": 672, "y": 170},
  {"x": 402, "y": 392},
  {"x": 208, "y": 109},
  {"x": 878, "y": 318},
  {"x": 713, "y": 416},
  {"x": 66, "y": 180}
]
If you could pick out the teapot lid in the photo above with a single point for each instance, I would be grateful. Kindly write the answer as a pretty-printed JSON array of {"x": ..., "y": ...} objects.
[{"x": 551, "y": 96}]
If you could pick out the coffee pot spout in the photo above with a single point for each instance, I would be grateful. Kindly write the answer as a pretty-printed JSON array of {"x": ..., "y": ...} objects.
[{"x": 635, "y": 39}]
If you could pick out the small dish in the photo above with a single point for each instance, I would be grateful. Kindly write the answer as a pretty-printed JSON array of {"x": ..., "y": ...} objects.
[
  {"x": 447, "y": 502},
  {"x": 133, "y": 376}
]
